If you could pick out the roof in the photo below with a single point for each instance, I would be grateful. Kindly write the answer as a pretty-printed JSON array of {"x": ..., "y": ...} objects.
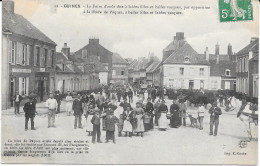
[
  {"x": 66, "y": 69},
  {"x": 116, "y": 58},
  {"x": 61, "y": 57},
  {"x": 174, "y": 45},
  {"x": 252, "y": 46},
  {"x": 94, "y": 48},
  {"x": 178, "y": 56},
  {"x": 19, "y": 25},
  {"x": 219, "y": 69},
  {"x": 152, "y": 66},
  {"x": 139, "y": 64}
]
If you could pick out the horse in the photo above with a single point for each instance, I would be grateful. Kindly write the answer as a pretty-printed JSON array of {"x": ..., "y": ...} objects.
[{"x": 245, "y": 115}]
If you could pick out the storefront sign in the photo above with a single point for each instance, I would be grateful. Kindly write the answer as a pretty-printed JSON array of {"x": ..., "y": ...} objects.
[
  {"x": 21, "y": 70},
  {"x": 42, "y": 69}
]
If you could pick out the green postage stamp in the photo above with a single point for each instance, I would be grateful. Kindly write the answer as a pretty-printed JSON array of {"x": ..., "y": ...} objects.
[{"x": 235, "y": 10}]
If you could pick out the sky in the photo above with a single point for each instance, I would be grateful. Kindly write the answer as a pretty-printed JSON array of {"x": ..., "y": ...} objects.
[{"x": 134, "y": 36}]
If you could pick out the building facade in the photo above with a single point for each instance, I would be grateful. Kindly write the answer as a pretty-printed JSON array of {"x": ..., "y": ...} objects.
[
  {"x": 119, "y": 69},
  {"x": 247, "y": 72},
  {"x": 31, "y": 57}
]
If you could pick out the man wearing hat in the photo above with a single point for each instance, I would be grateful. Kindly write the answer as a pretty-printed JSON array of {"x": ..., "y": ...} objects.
[
  {"x": 214, "y": 112},
  {"x": 52, "y": 106},
  {"x": 111, "y": 120},
  {"x": 78, "y": 111},
  {"x": 17, "y": 100},
  {"x": 29, "y": 109}
]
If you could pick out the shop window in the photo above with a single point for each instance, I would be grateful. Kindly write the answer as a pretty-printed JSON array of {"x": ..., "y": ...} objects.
[{"x": 23, "y": 86}]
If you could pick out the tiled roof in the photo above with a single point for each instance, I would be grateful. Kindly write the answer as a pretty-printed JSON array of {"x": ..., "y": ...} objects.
[
  {"x": 96, "y": 49},
  {"x": 174, "y": 45},
  {"x": 253, "y": 46},
  {"x": 61, "y": 57},
  {"x": 152, "y": 66},
  {"x": 178, "y": 56},
  {"x": 66, "y": 69},
  {"x": 219, "y": 69},
  {"x": 116, "y": 58},
  {"x": 19, "y": 25}
]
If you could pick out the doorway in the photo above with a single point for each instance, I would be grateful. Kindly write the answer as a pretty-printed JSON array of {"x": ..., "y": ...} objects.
[
  {"x": 191, "y": 84},
  {"x": 41, "y": 89}
]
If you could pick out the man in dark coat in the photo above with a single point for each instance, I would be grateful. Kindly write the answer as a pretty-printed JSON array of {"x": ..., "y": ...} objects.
[
  {"x": 17, "y": 100},
  {"x": 149, "y": 111},
  {"x": 111, "y": 120},
  {"x": 104, "y": 109},
  {"x": 119, "y": 94},
  {"x": 214, "y": 112},
  {"x": 58, "y": 97},
  {"x": 153, "y": 94},
  {"x": 130, "y": 95},
  {"x": 29, "y": 109},
  {"x": 78, "y": 111}
]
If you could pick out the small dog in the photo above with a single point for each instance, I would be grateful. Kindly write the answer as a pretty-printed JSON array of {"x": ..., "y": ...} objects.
[{"x": 193, "y": 121}]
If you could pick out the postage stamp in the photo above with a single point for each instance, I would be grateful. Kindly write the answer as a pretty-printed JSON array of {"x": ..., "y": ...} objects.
[{"x": 235, "y": 10}]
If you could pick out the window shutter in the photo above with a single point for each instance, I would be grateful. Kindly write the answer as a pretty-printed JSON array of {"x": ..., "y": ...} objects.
[
  {"x": 34, "y": 56},
  {"x": 28, "y": 55},
  {"x": 9, "y": 52},
  {"x": 49, "y": 59},
  {"x": 20, "y": 85},
  {"x": 27, "y": 86},
  {"x": 17, "y": 53}
]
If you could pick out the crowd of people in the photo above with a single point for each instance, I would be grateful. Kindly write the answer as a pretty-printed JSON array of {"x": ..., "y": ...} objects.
[{"x": 150, "y": 110}]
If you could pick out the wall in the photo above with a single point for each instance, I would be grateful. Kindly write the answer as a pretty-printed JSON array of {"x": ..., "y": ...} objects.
[
  {"x": 5, "y": 73},
  {"x": 103, "y": 76},
  {"x": 173, "y": 78}
]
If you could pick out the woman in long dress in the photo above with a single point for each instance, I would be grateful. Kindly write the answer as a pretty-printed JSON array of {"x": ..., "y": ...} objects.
[
  {"x": 89, "y": 115},
  {"x": 138, "y": 114},
  {"x": 69, "y": 102},
  {"x": 175, "y": 116},
  {"x": 128, "y": 116},
  {"x": 162, "y": 121}
]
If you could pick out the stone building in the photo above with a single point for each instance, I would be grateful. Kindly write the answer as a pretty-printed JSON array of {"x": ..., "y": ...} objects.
[
  {"x": 29, "y": 57},
  {"x": 247, "y": 68},
  {"x": 94, "y": 50},
  {"x": 119, "y": 69}
]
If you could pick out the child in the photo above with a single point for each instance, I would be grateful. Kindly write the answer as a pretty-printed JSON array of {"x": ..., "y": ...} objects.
[
  {"x": 89, "y": 115},
  {"x": 120, "y": 124},
  {"x": 96, "y": 127},
  {"x": 111, "y": 120},
  {"x": 128, "y": 119},
  {"x": 201, "y": 111}
]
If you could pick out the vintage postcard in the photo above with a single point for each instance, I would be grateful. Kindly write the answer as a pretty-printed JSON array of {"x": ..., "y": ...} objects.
[{"x": 130, "y": 82}]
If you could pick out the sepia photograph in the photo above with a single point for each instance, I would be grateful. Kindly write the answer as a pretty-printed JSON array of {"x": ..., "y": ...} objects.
[{"x": 129, "y": 82}]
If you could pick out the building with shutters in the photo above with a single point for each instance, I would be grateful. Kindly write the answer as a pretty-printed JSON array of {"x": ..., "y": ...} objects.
[
  {"x": 28, "y": 58},
  {"x": 119, "y": 69},
  {"x": 247, "y": 68}
]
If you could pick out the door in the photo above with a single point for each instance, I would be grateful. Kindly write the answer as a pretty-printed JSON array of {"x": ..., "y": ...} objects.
[
  {"x": 63, "y": 86},
  {"x": 12, "y": 91},
  {"x": 41, "y": 89},
  {"x": 191, "y": 84}
]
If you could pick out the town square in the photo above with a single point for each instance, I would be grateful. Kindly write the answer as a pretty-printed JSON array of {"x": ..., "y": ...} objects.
[{"x": 195, "y": 101}]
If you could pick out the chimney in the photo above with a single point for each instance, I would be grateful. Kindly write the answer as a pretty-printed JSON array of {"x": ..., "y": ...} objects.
[
  {"x": 229, "y": 51},
  {"x": 207, "y": 54},
  {"x": 66, "y": 50},
  {"x": 179, "y": 36},
  {"x": 253, "y": 39},
  {"x": 8, "y": 5},
  {"x": 93, "y": 41},
  {"x": 217, "y": 49}
]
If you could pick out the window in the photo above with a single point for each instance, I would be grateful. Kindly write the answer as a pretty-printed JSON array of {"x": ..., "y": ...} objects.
[
  {"x": 171, "y": 83},
  {"x": 214, "y": 84},
  {"x": 227, "y": 84},
  {"x": 227, "y": 72},
  {"x": 181, "y": 70},
  {"x": 45, "y": 57},
  {"x": 187, "y": 59},
  {"x": 52, "y": 58},
  {"x": 202, "y": 71},
  {"x": 244, "y": 64},
  {"x": 202, "y": 84},
  {"x": 122, "y": 72},
  {"x": 23, "y": 86},
  {"x": 63, "y": 67},
  {"x": 37, "y": 57},
  {"x": 182, "y": 83},
  {"x": 12, "y": 52},
  {"x": 24, "y": 54},
  {"x": 113, "y": 72}
]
